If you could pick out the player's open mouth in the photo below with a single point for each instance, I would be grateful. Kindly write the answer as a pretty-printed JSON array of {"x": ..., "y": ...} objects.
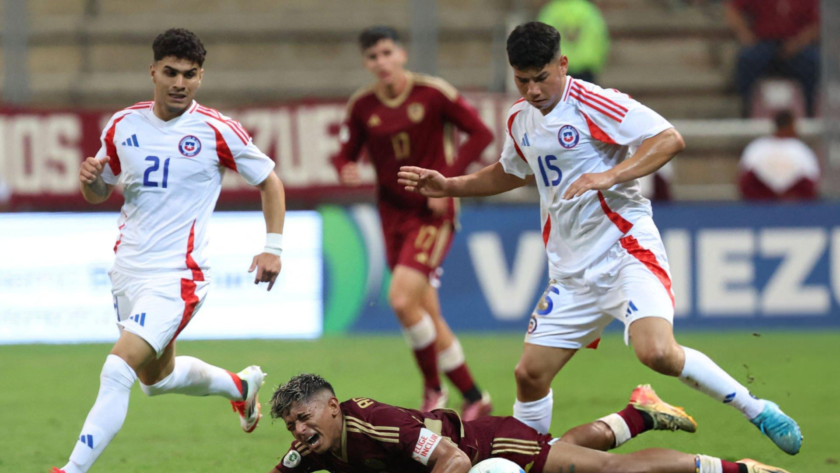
[
  {"x": 178, "y": 97},
  {"x": 313, "y": 440}
]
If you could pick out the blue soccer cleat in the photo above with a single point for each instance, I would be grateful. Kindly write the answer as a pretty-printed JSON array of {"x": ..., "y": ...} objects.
[{"x": 781, "y": 429}]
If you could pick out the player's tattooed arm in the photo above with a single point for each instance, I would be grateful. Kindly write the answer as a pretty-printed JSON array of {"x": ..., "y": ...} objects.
[{"x": 94, "y": 189}]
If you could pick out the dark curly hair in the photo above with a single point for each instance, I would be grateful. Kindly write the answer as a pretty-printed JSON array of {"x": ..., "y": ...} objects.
[
  {"x": 375, "y": 34},
  {"x": 180, "y": 43},
  {"x": 533, "y": 45},
  {"x": 298, "y": 389}
]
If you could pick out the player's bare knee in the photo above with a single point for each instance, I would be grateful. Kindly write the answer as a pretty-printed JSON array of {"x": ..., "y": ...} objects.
[
  {"x": 661, "y": 358},
  {"x": 401, "y": 303},
  {"x": 529, "y": 379}
]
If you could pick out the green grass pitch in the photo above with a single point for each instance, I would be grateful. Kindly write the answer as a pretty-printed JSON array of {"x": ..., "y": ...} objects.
[{"x": 48, "y": 390}]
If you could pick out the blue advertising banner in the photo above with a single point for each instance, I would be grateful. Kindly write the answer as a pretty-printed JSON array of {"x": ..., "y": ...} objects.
[{"x": 732, "y": 266}]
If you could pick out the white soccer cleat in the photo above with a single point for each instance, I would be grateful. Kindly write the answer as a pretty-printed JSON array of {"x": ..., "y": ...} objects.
[{"x": 249, "y": 409}]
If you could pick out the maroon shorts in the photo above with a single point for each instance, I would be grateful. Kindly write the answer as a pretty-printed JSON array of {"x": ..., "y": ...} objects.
[
  {"x": 507, "y": 438},
  {"x": 417, "y": 240}
]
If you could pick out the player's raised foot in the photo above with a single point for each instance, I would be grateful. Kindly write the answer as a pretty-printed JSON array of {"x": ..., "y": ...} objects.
[
  {"x": 756, "y": 467},
  {"x": 475, "y": 410},
  {"x": 249, "y": 409},
  {"x": 434, "y": 399},
  {"x": 781, "y": 429},
  {"x": 664, "y": 415}
]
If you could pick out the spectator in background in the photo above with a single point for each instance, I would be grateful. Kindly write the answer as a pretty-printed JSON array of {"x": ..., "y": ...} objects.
[
  {"x": 584, "y": 35},
  {"x": 779, "y": 167},
  {"x": 5, "y": 195},
  {"x": 777, "y": 37}
]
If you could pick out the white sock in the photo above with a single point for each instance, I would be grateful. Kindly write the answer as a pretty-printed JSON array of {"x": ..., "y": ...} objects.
[
  {"x": 535, "y": 414},
  {"x": 620, "y": 429},
  {"x": 702, "y": 374},
  {"x": 706, "y": 464},
  {"x": 451, "y": 358},
  {"x": 194, "y": 377},
  {"x": 421, "y": 334},
  {"x": 107, "y": 415}
]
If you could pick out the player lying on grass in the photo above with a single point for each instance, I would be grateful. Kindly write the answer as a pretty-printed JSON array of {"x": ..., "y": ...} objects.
[{"x": 363, "y": 435}]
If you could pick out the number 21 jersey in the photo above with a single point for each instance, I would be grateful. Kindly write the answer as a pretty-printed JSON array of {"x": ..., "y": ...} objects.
[
  {"x": 590, "y": 130},
  {"x": 172, "y": 172}
]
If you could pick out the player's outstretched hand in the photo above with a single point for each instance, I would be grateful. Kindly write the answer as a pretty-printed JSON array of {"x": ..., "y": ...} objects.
[
  {"x": 268, "y": 268},
  {"x": 594, "y": 181},
  {"x": 349, "y": 175},
  {"x": 425, "y": 181},
  {"x": 92, "y": 168}
]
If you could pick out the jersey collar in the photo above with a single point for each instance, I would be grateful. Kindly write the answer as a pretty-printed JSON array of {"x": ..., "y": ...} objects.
[
  {"x": 343, "y": 439},
  {"x": 398, "y": 100},
  {"x": 569, "y": 81},
  {"x": 157, "y": 122}
]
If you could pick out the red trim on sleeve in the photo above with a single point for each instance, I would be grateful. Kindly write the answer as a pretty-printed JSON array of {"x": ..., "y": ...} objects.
[
  {"x": 222, "y": 150},
  {"x": 191, "y": 264},
  {"x": 111, "y": 149},
  {"x": 232, "y": 124},
  {"x": 615, "y": 218},
  {"x": 597, "y": 132},
  {"x": 593, "y": 106},
  {"x": 602, "y": 100},
  {"x": 647, "y": 258},
  {"x": 546, "y": 229},
  {"x": 510, "y": 132}
]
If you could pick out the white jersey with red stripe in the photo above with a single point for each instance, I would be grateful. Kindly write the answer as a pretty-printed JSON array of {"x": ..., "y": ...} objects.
[
  {"x": 590, "y": 130},
  {"x": 172, "y": 172}
]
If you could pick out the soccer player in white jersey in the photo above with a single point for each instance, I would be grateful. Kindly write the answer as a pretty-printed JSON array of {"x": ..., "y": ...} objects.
[
  {"x": 170, "y": 154},
  {"x": 586, "y": 147}
]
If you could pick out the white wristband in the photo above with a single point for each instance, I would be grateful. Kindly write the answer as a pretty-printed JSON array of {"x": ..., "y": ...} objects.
[{"x": 274, "y": 244}]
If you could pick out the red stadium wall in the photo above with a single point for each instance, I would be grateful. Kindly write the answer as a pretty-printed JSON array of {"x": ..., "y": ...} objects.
[{"x": 40, "y": 152}]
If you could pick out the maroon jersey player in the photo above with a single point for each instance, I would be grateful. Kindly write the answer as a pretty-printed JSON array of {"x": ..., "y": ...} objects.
[
  {"x": 365, "y": 436},
  {"x": 407, "y": 118}
]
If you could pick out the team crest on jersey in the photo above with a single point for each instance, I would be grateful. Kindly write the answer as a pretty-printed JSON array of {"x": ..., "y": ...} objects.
[
  {"x": 189, "y": 146},
  {"x": 568, "y": 136},
  {"x": 292, "y": 459},
  {"x": 416, "y": 112},
  {"x": 374, "y": 121}
]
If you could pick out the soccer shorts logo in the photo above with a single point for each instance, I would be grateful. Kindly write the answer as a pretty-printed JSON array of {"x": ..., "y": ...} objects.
[
  {"x": 532, "y": 324},
  {"x": 189, "y": 146},
  {"x": 568, "y": 136},
  {"x": 292, "y": 459}
]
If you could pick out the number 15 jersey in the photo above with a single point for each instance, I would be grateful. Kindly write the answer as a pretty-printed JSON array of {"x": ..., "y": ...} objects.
[
  {"x": 590, "y": 130},
  {"x": 172, "y": 172}
]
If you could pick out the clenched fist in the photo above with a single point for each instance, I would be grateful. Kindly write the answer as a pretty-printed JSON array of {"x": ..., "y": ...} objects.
[{"x": 92, "y": 168}]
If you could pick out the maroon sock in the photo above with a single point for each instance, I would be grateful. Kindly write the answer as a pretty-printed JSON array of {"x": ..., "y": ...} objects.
[
  {"x": 427, "y": 361},
  {"x": 463, "y": 380},
  {"x": 634, "y": 420},
  {"x": 730, "y": 467}
]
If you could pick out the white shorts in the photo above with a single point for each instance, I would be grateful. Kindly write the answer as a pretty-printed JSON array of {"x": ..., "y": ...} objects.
[
  {"x": 629, "y": 282},
  {"x": 156, "y": 308}
]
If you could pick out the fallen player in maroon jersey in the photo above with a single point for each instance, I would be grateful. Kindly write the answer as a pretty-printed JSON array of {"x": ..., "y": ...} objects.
[{"x": 361, "y": 435}]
